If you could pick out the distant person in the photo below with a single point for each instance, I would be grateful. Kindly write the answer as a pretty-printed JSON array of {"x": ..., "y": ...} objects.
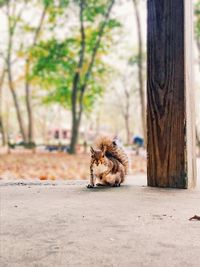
[{"x": 138, "y": 142}]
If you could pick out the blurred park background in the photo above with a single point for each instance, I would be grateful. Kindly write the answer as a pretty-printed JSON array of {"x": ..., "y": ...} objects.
[{"x": 69, "y": 71}]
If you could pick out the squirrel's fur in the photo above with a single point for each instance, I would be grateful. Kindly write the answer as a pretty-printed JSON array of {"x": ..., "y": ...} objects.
[{"x": 109, "y": 162}]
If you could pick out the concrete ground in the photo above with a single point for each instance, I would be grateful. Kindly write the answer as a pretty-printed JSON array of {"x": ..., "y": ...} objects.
[{"x": 65, "y": 224}]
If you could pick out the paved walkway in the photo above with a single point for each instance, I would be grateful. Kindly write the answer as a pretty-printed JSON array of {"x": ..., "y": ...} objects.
[{"x": 65, "y": 224}]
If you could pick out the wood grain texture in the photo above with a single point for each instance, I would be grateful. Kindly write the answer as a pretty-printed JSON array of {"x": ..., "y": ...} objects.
[
  {"x": 167, "y": 86},
  {"x": 190, "y": 103}
]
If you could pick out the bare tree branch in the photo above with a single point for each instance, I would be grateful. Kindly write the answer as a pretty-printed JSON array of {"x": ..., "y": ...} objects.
[
  {"x": 2, "y": 130},
  {"x": 140, "y": 68},
  {"x": 100, "y": 35},
  {"x": 39, "y": 27},
  {"x": 94, "y": 53}
]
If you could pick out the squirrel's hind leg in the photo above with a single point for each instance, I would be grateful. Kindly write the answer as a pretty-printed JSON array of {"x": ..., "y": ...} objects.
[
  {"x": 101, "y": 181},
  {"x": 113, "y": 179},
  {"x": 101, "y": 184}
]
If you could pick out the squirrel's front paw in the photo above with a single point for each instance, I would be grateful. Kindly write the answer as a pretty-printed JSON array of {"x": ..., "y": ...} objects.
[{"x": 90, "y": 186}]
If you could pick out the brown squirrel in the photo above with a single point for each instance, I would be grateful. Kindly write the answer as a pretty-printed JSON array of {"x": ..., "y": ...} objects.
[{"x": 109, "y": 163}]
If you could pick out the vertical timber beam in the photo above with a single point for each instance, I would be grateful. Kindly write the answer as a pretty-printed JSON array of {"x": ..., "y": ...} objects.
[{"x": 170, "y": 104}]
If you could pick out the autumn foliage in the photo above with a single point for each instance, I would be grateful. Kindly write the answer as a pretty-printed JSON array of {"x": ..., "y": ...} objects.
[{"x": 52, "y": 166}]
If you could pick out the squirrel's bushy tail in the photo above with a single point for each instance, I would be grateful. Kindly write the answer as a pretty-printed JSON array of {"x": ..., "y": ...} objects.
[{"x": 112, "y": 148}]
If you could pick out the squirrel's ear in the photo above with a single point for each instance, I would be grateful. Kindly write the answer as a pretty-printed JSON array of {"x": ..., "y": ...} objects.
[
  {"x": 115, "y": 141},
  {"x": 92, "y": 150},
  {"x": 103, "y": 149}
]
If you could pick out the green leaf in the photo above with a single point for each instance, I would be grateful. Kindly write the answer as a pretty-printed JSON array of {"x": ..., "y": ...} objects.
[
  {"x": 55, "y": 61},
  {"x": 2, "y": 2}
]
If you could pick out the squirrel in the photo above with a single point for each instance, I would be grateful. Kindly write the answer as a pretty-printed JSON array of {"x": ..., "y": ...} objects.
[{"x": 109, "y": 163}]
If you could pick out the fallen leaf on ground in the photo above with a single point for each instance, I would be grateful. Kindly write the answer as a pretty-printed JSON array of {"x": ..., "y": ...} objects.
[
  {"x": 195, "y": 217},
  {"x": 53, "y": 166}
]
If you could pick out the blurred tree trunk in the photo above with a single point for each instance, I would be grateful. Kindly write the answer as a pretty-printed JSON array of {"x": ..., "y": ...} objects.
[
  {"x": 197, "y": 133},
  {"x": 16, "y": 104},
  {"x": 74, "y": 136},
  {"x": 76, "y": 116},
  {"x": 198, "y": 141},
  {"x": 126, "y": 113},
  {"x": 127, "y": 130},
  {"x": 198, "y": 47},
  {"x": 197, "y": 39},
  {"x": 127, "y": 123},
  {"x": 28, "y": 104},
  {"x": 140, "y": 69},
  {"x": 79, "y": 88},
  {"x": 30, "y": 135},
  {"x": 2, "y": 130},
  {"x": 11, "y": 29},
  {"x": 123, "y": 103}
]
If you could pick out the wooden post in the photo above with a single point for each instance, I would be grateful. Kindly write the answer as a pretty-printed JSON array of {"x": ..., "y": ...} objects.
[{"x": 170, "y": 107}]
